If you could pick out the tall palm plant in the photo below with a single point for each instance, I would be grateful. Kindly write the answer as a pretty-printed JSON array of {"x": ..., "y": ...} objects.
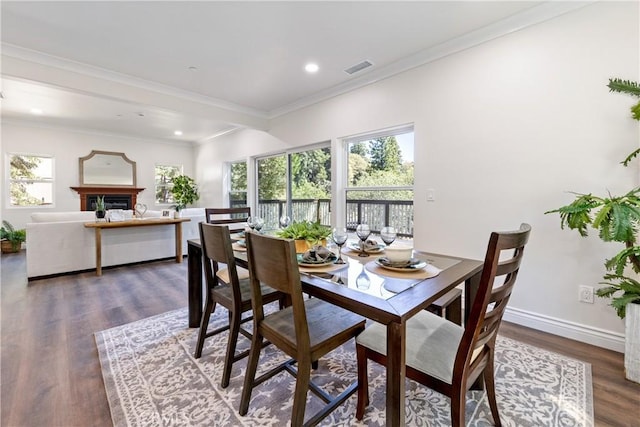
[{"x": 617, "y": 219}]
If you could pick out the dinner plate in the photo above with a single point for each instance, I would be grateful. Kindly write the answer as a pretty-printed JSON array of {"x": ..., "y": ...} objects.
[
  {"x": 326, "y": 262},
  {"x": 412, "y": 265},
  {"x": 355, "y": 246}
]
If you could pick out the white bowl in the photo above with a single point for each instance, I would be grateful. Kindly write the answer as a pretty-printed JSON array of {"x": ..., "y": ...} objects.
[{"x": 398, "y": 253}]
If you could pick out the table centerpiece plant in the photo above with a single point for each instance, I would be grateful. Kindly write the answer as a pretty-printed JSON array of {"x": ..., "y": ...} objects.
[
  {"x": 306, "y": 234},
  {"x": 617, "y": 219}
]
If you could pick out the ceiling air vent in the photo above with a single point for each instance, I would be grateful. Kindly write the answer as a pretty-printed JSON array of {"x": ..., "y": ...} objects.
[{"x": 358, "y": 67}]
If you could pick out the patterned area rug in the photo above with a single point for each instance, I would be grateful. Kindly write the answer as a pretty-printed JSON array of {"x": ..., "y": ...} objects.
[{"x": 152, "y": 379}]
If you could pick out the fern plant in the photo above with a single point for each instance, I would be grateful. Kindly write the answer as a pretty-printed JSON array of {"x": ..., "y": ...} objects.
[{"x": 617, "y": 219}]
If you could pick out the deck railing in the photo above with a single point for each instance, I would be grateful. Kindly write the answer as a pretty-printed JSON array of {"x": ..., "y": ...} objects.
[{"x": 376, "y": 213}]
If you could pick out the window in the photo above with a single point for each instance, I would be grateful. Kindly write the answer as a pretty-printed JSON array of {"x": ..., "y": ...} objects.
[
  {"x": 30, "y": 180},
  {"x": 164, "y": 176},
  {"x": 238, "y": 184},
  {"x": 295, "y": 184},
  {"x": 380, "y": 178}
]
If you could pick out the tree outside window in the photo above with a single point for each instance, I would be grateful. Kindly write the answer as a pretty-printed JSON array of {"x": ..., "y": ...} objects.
[
  {"x": 30, "y": 180},
  {"x": 164, "y": 175},
  {"x": 238, "y": 184}
]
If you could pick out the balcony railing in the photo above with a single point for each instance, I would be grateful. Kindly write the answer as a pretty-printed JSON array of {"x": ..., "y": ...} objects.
[{"x": 376, "y": 213}]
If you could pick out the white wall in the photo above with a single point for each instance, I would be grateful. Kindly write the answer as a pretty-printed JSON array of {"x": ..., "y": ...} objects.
[
  {"x": 67, "y": 146},
  {"x": 502, "y": 132}
]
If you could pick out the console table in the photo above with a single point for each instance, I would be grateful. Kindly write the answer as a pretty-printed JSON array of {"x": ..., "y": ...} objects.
[{"x": 98, "y": 226}]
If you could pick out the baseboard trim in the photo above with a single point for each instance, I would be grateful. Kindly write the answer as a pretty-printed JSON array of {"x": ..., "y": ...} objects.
[{"x": 594, "y": 336}]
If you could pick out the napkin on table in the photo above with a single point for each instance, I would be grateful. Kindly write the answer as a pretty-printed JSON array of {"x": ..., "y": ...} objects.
[
  {"x": 369, "y": 245},
  {"x": 317, "y": 254}
]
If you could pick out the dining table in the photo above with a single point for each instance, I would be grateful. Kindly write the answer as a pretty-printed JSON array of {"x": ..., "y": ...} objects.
[{"x": 366, "y": 286}]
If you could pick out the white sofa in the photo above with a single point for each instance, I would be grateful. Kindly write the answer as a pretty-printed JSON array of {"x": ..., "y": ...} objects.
[{"x": 58, "y": 242}]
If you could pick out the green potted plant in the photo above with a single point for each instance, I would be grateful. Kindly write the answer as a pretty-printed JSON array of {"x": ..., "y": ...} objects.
[
  {"x": 101, "y": 210},
  {"x": 306, "y": 234},
  {"x": 617, "y": 219},
  {"x": 184, "y": 191},
  {"x": 11, "y": 238}
]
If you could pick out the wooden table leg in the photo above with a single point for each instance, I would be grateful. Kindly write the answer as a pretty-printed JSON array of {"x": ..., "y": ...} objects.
[
  {"x": 194, "y": 281},
  {"x": 178, "y": 242},
  {"x": 98, "y": 251},
  {"x": 396, "y": 345}
]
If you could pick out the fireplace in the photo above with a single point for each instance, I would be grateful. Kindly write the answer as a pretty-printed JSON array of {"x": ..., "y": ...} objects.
[
  {"x": 114, "y": 197},
  {"x": 111, "y": 201}
]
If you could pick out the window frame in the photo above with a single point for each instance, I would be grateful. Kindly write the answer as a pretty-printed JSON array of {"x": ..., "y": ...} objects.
[{"x": 8, "y": 181}]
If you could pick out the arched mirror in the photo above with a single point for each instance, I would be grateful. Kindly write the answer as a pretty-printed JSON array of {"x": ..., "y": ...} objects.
[{"x": 106, "y": 168}]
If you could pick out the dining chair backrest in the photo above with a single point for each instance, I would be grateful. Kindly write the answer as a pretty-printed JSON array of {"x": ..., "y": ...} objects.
[
  {"x": 235, "y": 218},
  {"x": 216, "y": 248},
  {"x": 498, "y": 277},
  {"x": 277, "y": 267}
]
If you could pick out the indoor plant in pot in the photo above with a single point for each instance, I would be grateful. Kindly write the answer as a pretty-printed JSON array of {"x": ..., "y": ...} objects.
[
  {"x": 617, "y": 219},
  {"x": 184, "y": 191},
  {"x": 306, "y": 234},
  {"x": 101, "y": 210},
  {"x": 11, "y": 238}
]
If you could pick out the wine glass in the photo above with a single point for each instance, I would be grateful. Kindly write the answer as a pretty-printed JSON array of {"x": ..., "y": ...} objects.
[
  {"x": 258, "y": 224},
  {"x": 284, "y": 221},
  {"x": 363, "y": 231},
  {"x": 251, "y": 222},
  {"x": 339, "y": 236},
  {"x": 388, "y": 235}
]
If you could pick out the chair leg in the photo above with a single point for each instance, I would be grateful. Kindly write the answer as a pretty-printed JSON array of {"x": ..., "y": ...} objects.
[
  {"x": 489, "y": 381},
  {"x": 234, "y": 330},
  {"x": 250, "y": 374},
  {"x": 300, "y": 395},
  {"x": 453, "y": 312},
  {"x": 458, "y": 402},
  {"x": 204, "y": 324},
  {"x": 363, "y": 382}
]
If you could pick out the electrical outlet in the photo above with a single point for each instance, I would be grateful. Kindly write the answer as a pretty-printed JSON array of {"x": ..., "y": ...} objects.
[{"x": 586, "y": 294}]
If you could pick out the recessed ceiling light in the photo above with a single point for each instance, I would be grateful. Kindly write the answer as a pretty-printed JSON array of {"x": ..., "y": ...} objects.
[
  {"x": 311, "y": 68},
  {"x": 178, "y": 133},
  {"x": 36, "y": 111}
]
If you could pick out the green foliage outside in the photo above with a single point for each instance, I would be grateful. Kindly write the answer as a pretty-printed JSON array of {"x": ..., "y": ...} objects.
[
  {"x": 164, "y": 178},
  {"x": 617, "y": 219},
  {"x": 22, "y": 170}
]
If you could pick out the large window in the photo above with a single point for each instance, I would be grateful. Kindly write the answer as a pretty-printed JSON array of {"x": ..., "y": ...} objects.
[
  {"x": 30, "y": 180},
  {"x": 379, "y": 188},
  {"x": 238, "y": 184},
  {"x": 164, "y": 176},
  {"x": 295, "y": 184}
]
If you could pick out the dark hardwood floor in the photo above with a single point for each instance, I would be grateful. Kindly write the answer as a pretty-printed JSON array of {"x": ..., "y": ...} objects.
[{"x": 50, "y": 373}]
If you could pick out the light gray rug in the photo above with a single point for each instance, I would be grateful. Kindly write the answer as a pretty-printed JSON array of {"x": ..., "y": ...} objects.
[{"x": 152, "y": 379}]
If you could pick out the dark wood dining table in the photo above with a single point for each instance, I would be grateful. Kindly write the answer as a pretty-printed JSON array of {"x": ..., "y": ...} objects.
[{"x": 345, "y": 288}]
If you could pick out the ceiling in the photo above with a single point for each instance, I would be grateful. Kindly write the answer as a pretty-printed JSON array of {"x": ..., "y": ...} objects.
[{"x": 210, "y": 67}]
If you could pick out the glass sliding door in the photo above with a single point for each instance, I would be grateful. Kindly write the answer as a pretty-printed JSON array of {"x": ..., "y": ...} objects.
[{"x": 296, "y": 184}]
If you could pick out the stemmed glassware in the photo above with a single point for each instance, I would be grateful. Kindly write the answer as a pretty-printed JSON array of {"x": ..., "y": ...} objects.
[
  {"x": 339, "y": 236},
  {"x": 388, "y": 235},
  {"x": 259, "y": 223},
  {"x": 284, "y": 221},
  {"x": 363, "y": 231}
]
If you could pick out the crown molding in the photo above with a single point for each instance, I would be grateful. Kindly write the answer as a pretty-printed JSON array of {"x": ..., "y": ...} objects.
[
  {"x": 90, "y": 131},
  {"x": 532, "y": 16},
  {"x": 45, "y": 59}
]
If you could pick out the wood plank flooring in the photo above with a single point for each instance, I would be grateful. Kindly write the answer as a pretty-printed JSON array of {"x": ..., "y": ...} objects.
[{"x": 50, "y": 373}]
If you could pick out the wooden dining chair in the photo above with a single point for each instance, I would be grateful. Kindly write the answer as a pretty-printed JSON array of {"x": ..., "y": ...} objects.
[
  {"x": 305, "y": 331},
  {"x": 235, "y": 218},
  {"x": 224, "y": 287},
  {"x": 446, "y": 357}
]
